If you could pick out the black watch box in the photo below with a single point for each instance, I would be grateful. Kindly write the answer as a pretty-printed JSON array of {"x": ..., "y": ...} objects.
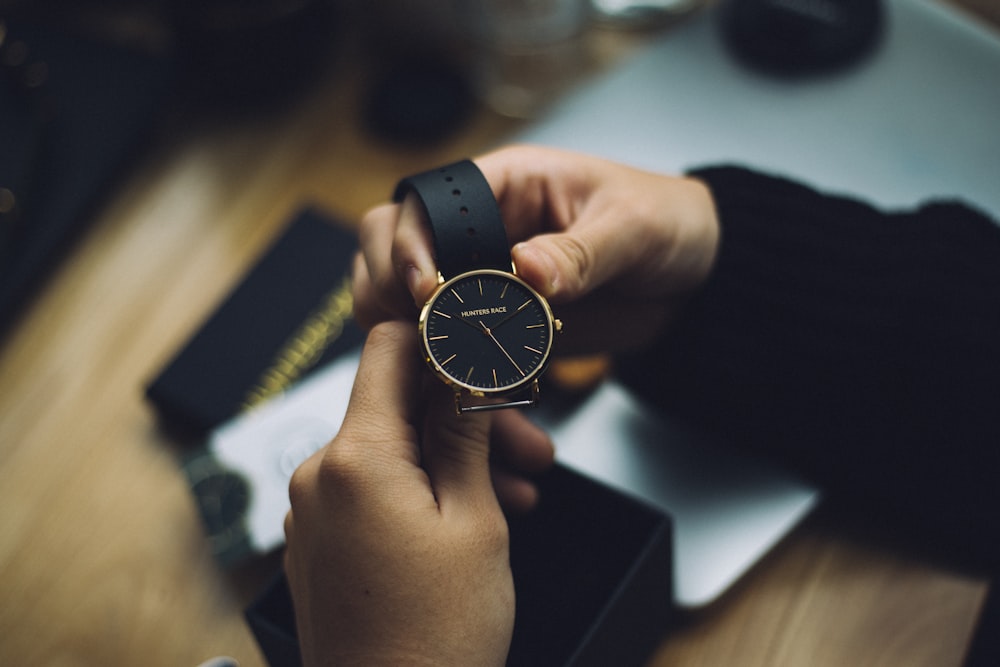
[
  {"x": 289, "y": 315},
  {"x": 592, "y": 573}
]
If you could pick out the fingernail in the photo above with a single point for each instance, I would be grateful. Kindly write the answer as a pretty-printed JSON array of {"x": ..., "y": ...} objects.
[
  {"x": 537, "y": 266},
  {"x": 413, "y": 276}
]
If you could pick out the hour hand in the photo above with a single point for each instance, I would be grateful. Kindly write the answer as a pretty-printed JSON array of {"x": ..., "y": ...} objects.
[{"x": 477, "y": 325}]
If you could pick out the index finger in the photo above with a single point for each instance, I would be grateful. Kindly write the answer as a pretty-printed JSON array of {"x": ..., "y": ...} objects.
[
  {"x": 396, "y": 248},
  {"x": 538, "y": 189}
]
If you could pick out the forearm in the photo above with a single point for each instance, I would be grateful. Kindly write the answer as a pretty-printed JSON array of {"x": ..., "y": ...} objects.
[{"x": 862, "y": 347}]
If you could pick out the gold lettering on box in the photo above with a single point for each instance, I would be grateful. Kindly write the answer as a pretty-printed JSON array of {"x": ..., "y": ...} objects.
[{"x": 305, "y": 346}]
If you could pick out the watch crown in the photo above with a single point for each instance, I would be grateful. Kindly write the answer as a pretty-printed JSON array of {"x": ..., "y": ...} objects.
[{"x": 558, "y": 325}]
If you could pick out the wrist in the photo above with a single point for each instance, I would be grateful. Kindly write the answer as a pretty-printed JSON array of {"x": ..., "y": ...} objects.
[{"x": 691, "y": 215}]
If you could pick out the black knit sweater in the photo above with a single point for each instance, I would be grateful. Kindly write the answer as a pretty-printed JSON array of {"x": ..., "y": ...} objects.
[{"x": 860, "y": 347}]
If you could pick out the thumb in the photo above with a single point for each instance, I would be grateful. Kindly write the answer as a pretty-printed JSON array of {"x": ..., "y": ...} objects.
[
  {"x": 566, "y": 265},
  {"x": 456, "y": 452}
]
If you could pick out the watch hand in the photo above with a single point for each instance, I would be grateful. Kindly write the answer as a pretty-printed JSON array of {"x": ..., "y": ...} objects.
[
  {"x": 489, "y": 333},
  {"x": 474, "y": 325},
  {"x": 478, "y": 324},
  {"x": 510, "y": 316}
]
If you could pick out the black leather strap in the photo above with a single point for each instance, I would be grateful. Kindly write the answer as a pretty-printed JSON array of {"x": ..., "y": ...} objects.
[{"x": 464, "y": 216}]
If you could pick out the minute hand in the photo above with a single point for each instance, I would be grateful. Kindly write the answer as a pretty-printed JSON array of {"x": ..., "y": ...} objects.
[
  {"x": 506, "y": 318},
  {"x": 489, "y": 333}
]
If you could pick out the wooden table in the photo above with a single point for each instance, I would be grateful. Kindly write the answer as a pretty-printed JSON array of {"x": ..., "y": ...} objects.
[{"x": 102, "y": 556}]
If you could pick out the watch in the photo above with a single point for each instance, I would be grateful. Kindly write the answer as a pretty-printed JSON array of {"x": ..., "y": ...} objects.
[
  {"x": 223, "y": 499},
  {"x": 485, "y": 332}
]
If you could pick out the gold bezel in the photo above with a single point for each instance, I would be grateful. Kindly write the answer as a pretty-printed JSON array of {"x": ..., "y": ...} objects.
[{"x": 456, "y": 382}]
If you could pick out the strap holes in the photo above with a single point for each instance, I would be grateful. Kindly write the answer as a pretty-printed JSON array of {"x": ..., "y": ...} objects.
[
  {"x": 470, "y": 231},
  {"x": 464, "y": 210},
  {"x": 456, "y": 192}
]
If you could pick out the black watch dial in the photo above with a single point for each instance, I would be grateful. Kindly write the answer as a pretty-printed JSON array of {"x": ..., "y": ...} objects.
[{"x": 487, "y": 331}]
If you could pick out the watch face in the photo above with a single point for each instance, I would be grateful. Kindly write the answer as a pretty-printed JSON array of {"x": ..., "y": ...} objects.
[
  {"x": 223, "y": 498},
  {"x": 487, "y": 331}
]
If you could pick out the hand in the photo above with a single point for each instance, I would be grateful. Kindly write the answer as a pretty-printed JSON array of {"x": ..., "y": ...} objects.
[
  {"x": 615, "y": 249},
  {"x": 397, "y": 547}
]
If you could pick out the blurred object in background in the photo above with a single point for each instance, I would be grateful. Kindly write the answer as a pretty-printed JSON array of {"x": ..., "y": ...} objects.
[
  {"x": 642, "y": 14},
  {"x": 24, "y": 116},
  {"x": 418, "y": 92},
  {"x": 801, "y": 37},
  {"x": 393, "y": 28},
  {"x": 240, "y": 55},
  {"x": 74, "y": 112},
  {"x": 135, "y": 24},
  {"x": 251, "y": 54},
  {"x": 419, "y": 100},
  {"x": 525, "y": 52}
]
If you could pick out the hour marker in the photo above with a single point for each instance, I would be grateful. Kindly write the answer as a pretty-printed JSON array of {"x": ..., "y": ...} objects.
[
  {"x": 437, "y": 338},
  {"x": 469, "y": 374},
  {"x": 503, "y": 292},
  {"x": 495, "y": 383},
  {"x": 446, "y": 315},
  {"x": 480, "y": 282},
  {"x": 535, "y": 326},
  {"x": 448, "y": 360},
  {"x": 460, "y": 300},
  {"x": 524, "y": 305},
  {"x": 531, "y": 349}
]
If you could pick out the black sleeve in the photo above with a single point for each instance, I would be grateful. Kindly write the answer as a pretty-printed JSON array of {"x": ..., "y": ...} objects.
[{"x": 860, "y": 347}]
